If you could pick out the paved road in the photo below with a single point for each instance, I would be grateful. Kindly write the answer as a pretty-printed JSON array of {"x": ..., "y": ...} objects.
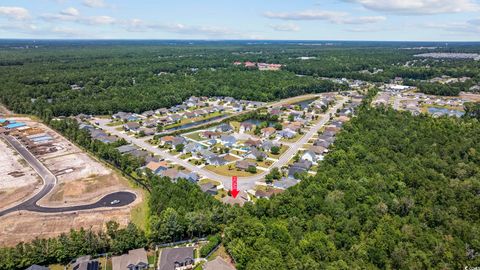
[
  {"x": 49, "y": 182},
  {"x": 244, "y": 183}
]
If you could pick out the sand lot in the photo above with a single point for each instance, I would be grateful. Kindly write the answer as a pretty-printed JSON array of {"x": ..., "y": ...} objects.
[
  {"x": 26, "y": 226},
  {"x": 17, "y": 178}
]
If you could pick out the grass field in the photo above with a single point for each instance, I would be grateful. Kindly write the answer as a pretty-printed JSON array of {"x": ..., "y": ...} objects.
[{"x": 224, "y": 170}]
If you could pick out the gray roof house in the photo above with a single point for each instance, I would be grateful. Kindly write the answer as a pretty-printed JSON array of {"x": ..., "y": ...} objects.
[
  {"x": 216, "y": 160},
  {"x": 176, "y": 258},
  {"x": 134, "y": 260},
  {"x": 126, "y": 148},
  {"x": 224, "y": 128},
  {"x": 256, "y": 154},
  {"x": 228, "y": 140},
  {"x": 218, "y": 264},
  {"x": 85, "y": 263}
]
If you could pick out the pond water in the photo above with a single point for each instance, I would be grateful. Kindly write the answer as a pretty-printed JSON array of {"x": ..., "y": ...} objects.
[
  {"x": 305, "y": 104},
  {"x": 444, "y": 111},
  {"x": 257, "y": 122},
  {"x": 194, "y": 124}
]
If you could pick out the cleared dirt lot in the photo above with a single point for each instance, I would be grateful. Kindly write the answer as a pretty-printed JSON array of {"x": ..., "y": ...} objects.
[
  {"x": 81, "y": 179},
  {"x": 26, "y": 226},
  {"x": 17, "y": 178}
]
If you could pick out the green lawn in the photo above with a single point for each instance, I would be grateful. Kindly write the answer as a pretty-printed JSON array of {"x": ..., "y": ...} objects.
[
  {"x": 224, "y": 170},
  {"x": 140, "y": 214},
  {"x": 283, "y": 149},
  {"x": 195, "y": 136}
]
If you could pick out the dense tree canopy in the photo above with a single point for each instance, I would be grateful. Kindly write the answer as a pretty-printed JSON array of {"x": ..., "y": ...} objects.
[
  {"x": 397, "y": 192},
  {"x": 125, "y": 77}
]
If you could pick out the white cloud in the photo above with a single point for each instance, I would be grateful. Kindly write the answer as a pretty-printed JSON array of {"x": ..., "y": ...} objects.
[
  {"x": 320, "y": 15},
  {"x": 70, "y": 12},
  {"x": 94, "y": 3},
  {"x": 410, "y": 7},
  {"x": 73, "y": 15},
  {"x": 471, "y": 26},
  {"x": 137, "y": 25},
  {"x": 289, "y": 27},
  {"x": 98, "y": 20},
  {"x": 16, "y": 13}
]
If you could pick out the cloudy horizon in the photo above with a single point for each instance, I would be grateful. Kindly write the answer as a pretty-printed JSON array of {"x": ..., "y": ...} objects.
[{"x": 383, "y": 20}]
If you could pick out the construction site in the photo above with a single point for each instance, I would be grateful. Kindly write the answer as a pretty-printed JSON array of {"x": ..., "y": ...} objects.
[{"x": 80, "y": 180}]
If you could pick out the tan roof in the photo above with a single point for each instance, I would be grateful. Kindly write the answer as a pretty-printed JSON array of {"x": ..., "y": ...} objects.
[
  {"x": 152, "y": 165},
  {"x": 241, "y": 199},
  {"x": 343, "y": 118},
  {"x": 218, "y": 264},
  {"x": 167, "y": 138}
]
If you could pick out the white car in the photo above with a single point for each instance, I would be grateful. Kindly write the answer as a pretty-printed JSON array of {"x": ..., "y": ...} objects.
[{"x": 114, "y": 202}]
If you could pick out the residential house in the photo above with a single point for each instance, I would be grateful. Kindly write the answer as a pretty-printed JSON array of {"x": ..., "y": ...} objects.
[
  {"x": 134, "y": 260},
  {"x": 228, "y": 140},
  {"x": 245, "y": 127},
  {"x": 267, "y": 194},
  {"x": 131, "y": 126},
  {"x": 287, "y": 133},
  {"x": 148, "y": 113},
  {"x": 224, "y": 128},
  {"x": 125, "y": 149},
  {"x": 210, "y": 134},
  {"x": 150, "y": 123},
  {"x": 216, "y": 160},
  {"x": 322, "y": 143},
  {"x": 299, "y": 167},
  {"x": 332, "y": 129},
  {"x": 310, "y": 156},
  {"x": 245, "y": 164},
  {"x": 253, "y": 143},
  {"x": 209, "y": 188},
  {"x": 218, "y": 264},
  {"x": 176, "y": 258},
  {"x": 192, "y": 147},
  {"x": 147, "y": 131},
  {"x": 285, "y": 183},
  {"x": 268, "y": 131},
  {"x": 241, "y": 199},
  {"x": 267, "y": 145},
  {"x": 190, "y": 115},
  {"x": 206, "y": 154},
  {"x": 85, "y": 263},
  {"x": 256, "y": 154},
  {"x": 162, "y": 111},
  {"x": 157, "y": 166}
]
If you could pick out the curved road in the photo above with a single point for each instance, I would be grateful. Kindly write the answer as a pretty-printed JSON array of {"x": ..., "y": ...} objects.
[
  {"x": 244, "y": 183},
  {"x": 49, "y": 182}
]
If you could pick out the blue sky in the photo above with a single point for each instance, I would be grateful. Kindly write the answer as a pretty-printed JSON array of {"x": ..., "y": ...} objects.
[{"x": 419, "y": 20}]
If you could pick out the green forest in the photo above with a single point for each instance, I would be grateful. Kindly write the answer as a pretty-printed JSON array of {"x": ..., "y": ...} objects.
[
  {"x": 140, "y": 77},
  {"x": 396, "y": 192}
]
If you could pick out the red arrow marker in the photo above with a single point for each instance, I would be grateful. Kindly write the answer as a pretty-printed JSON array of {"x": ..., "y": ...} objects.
[{"x": 234, "y": 187}]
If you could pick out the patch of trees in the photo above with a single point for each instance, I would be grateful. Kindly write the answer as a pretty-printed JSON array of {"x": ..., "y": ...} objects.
[
  {"x": 396, "y": 192},
  {"x": 68, "y": 246}
]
